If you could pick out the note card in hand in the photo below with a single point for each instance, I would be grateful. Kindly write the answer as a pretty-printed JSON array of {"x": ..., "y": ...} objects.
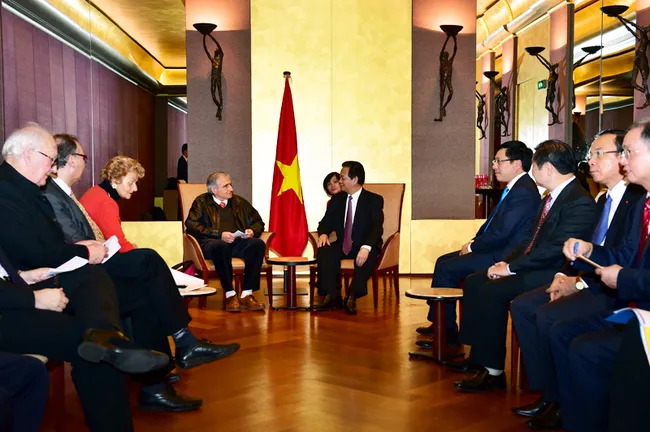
[
  {"x": 113, "y": 245},
  {"x": 72, "y": 264},
  {"x": 239, "y": 234}
]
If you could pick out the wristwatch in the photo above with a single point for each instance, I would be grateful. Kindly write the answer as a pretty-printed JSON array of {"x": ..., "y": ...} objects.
[{"x": 580, "y": 285}]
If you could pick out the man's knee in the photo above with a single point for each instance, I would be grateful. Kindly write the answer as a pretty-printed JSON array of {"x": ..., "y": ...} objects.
[
  {"x": 216, "y": 248},
  {"x": 257, "y": 245}
]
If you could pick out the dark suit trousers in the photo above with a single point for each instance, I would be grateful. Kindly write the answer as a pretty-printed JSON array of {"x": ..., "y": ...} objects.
[
  {"x": 450, "y": 270},
  {"x": 533, "y": 315},
  {"x": 221, "y": 253},
  {"x": 485, "y": 312},
  {"x": 583, "y": 351},
  {"x": 329, "y": 265},
  {"x": 101, "y": 388},
  {"x": 24, "y": 384},
  {"x": 630, "y": 384}
]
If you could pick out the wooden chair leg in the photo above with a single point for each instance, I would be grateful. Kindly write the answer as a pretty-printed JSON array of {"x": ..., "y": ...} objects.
[
  {"x": 396, "y": 282},
  {"x": 57, "y": 394},
  {"x": 514, "y": 359},
  {"x": 312, "y": 285},
  {"x": 346, "y": 279},
  {"x": 269, "y": 284},
  {"x": 203, "y": 302},
  {"x": 375, "y": 289}
]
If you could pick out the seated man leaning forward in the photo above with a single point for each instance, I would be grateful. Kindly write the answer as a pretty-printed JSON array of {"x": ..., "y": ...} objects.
[
  {"x": 351, "y": 229},
  {"x": 227, "y": 226},
  {"x": 502, "y": 231}
]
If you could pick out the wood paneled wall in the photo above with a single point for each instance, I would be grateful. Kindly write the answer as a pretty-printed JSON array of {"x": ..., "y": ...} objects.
[
  {"x": 176, "y": 137},
  {"x": 49, "y": 83}
]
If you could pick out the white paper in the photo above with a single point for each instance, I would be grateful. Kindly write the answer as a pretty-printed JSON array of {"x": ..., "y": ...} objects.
[
  {"x": 113, "y": 245},
  {"x": 191, "y": 283},
  {"x": 239, "y": 234},
  {"x": 68, "y": 266}
]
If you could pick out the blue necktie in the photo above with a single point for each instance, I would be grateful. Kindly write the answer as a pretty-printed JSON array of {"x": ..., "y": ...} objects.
[
  {"x": 489, "y": 221},
  {"x": 601, "y": 228}
]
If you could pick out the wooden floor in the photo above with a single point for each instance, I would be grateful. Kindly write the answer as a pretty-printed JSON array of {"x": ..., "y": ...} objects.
[{"x": 301, "y": 371}]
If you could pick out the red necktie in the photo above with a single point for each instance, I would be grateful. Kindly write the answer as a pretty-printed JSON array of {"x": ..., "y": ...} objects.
[
  {"x": 644, "y": 229},
  {"x": 347, "y": 234},
  {"x": 542, "y": 218},
  {"x": 222, "y": 204}
]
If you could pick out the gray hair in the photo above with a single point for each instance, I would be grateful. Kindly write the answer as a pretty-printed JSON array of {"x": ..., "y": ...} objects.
[
  {"x": 212, "y": 179},
  {"x": 23, "y": 139}
]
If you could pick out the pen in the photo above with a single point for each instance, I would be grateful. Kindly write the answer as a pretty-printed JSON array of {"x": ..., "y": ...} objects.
[{"x": 575, "y": 251}]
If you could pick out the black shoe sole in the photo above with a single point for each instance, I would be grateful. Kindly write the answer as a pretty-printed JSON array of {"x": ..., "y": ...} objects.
[
  {"x": 160, "y": 408},
  {"x": 480, "y": 389},
  {"x": 424, "y": 332},
  {"x": 131, "y": 361},
  {"x": 198, "y": 361}
]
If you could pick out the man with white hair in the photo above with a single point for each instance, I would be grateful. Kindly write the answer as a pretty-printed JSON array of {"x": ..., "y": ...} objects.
[{"x": 30, "y": 232}]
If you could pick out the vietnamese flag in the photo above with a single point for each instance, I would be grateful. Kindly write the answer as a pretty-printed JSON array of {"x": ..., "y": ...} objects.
[{"x": 288, "y": 219}]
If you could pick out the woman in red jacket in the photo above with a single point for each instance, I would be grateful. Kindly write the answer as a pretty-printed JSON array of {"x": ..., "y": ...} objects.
[{"x": 120, "y": 177}]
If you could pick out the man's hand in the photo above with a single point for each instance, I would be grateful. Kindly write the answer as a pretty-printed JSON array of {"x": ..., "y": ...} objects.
[
  {"x": 323, "y": 240},
  {"x": 562, "y": 286},
  {"x": 498, "y": 270},
  {"x": 248, "y": 233},
  {"x": 36, "y": 275},
  {"x": 96, "y": 251},
  {"x": 571, "y": 253},
  {"x": 53, "y": 299},
  {"x": 228, "y": 237},
  {"x": 609, "y": 275},
  {"x": 362, "y": 256},
  {"x": 465, "y": 249}
]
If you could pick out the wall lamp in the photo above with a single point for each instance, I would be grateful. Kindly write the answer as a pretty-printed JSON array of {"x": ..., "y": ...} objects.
[
  {"x": 553, "y": 77},
  {"x": 446, "y": 67},
  {"x": 216, "y": 60}
]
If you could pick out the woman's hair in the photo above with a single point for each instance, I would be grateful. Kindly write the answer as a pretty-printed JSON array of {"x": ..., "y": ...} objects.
[
  {"x": 328, "y": 178},
  {"x": 120, "y": 166}
]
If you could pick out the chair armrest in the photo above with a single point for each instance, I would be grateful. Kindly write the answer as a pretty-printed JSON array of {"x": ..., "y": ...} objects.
[
  {"x": 266, "y": 237},
  {"x": 192, "y": 252},
  {"x": 312, "y": 238},
  {"x": 389, "y": 255}
]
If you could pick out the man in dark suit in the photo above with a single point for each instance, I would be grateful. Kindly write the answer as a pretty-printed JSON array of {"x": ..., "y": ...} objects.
[
  {"x": 497, "y": 237},
  {"x": 584, "y": 348},
  {"x": 357, "y": 219},
  {"x": 181, "y": 168},
  {"x": 145, "y": 288},
  {"x": 24, "y": 385},
  {"x": 534, "y": 312},
  {"x": 568, "y": 209}
]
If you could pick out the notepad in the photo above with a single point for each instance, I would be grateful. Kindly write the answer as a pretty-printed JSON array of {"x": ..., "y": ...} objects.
[
  {"x": 113, "y": 245},
  {"x": 72, "y": 264},
  {"x": 190, "y": 282}
]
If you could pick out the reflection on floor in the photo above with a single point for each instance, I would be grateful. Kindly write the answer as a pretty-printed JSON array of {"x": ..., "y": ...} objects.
[{"x": 302, "y": 371}]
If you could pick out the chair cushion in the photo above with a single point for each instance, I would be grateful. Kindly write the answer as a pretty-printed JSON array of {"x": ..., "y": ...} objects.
[
  {"x": 347, "y": 264},
  {"x": 237, "y": 264}
]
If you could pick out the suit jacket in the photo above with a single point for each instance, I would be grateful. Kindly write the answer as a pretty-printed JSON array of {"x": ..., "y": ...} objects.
[
  {"x": 15, "y": 294},
  {"x": 29, "y": 226},
  {"x": 74, "y": 224},
  {"x": 181, "y": 169},
  {"x": 633, "y": 282},
  {"x": 511, "y": 221},
  {"x": 368, "y": 224},
  {"x": 573, "y": 214}
]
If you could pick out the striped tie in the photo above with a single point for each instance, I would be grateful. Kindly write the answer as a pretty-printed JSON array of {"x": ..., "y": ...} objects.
[{"x": 98, "y": 233}]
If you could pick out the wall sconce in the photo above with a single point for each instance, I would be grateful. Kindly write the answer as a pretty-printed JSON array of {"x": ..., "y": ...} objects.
[
  {"x": 640, "y": 33},
  {"x": 501, "y": 103},
  {"x": 481, "y": 120},
  {"x": 588, "y": 51},
  {"x": 217, "y": 64},
  {"x": 446, "y": 68},
  {"x": 551, "y": 82}
]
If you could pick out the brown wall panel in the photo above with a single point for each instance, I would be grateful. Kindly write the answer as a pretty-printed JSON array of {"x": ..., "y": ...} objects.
[{"x": 176, "y": 137}]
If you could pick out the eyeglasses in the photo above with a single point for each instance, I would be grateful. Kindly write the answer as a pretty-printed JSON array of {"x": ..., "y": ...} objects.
[
  {"x": 625, "y": 154},
  {"x": 83, "y": 156},
  {"x": 598, "y": 154},
  {"x": 498, "y": 161},
  {"x": 53, "y": 160}
]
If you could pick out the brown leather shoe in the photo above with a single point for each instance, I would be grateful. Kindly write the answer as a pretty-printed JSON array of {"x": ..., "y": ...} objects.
[
  {"x": 232, "y": 304},
  {"x": 249, "y": 302}
]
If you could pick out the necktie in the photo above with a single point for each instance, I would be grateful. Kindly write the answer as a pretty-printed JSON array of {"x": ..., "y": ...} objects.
[
  {"x": 98, "y": 233},
  {"x": 489, "y": 221},
  {"x": 601, "y": 228},
  {"x": 347, "y": 234},
  {"x": 542, "y": 218},
  {"x": 644, "y": 229},
  {"x": 222, "y": 204}
]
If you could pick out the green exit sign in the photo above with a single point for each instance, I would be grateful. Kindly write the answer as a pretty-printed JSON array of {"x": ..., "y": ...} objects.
[{"x": 541, "y": 85}]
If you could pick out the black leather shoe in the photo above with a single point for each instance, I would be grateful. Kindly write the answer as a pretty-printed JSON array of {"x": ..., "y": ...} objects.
[
  {"x": 350, "y": 305},
  {"x": 550, "y": 419},
  {"x": 463, "y": 366},
  {"x": 532, "y": 409},
  {"x": 425, "y": 331},
  {"x": 329, "y": 303},
  {"x": 112, "y": 347},
  {"x": 482, "y": 381},
  {"x": 167, "y": 400},
  {"x": 202, "y": 352},
  {"x": 172, "y": 378},
  {"x": 452, "y": 341}
]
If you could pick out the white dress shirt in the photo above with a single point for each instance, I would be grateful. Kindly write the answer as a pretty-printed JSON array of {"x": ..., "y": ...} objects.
[
  {"x": 218, "y": 201},
  {"x": 67, "y": 189},
  {"x": 354, "y": 202},
  {"x": 558, "y": 190},
  {"x": 3, "y": 273}
]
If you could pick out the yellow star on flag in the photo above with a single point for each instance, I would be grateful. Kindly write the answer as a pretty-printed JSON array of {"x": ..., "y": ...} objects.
[{"x": 291, "y": 180}]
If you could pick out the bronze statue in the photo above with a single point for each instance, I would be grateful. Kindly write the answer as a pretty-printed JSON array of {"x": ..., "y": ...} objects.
[
  {"x": 502, "y": 115},
  {"x": 640, "y": 58},
  {"x": 480, "y": 116},
  {"x": 550, "y": 89},
  {"x": 446, "y": 68},
  {"x": 215, "y": 75}
]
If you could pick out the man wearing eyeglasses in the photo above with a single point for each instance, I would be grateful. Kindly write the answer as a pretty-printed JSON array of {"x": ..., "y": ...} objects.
[
  {"x": 535, "y": 312},
  {"x": 503, "y": 230}
]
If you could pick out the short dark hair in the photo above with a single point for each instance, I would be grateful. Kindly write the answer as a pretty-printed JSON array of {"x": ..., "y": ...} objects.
[
  {"x": 618, "y": 140},
  {"x": 66, "y": 145},
  {"x": 328, "y": 178},
  {"x": 517, "y": 150},
  {"x": 557, "y": 153},
  {"x": 184, "y": 147},
  {"x": 355, "y": 169}
]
